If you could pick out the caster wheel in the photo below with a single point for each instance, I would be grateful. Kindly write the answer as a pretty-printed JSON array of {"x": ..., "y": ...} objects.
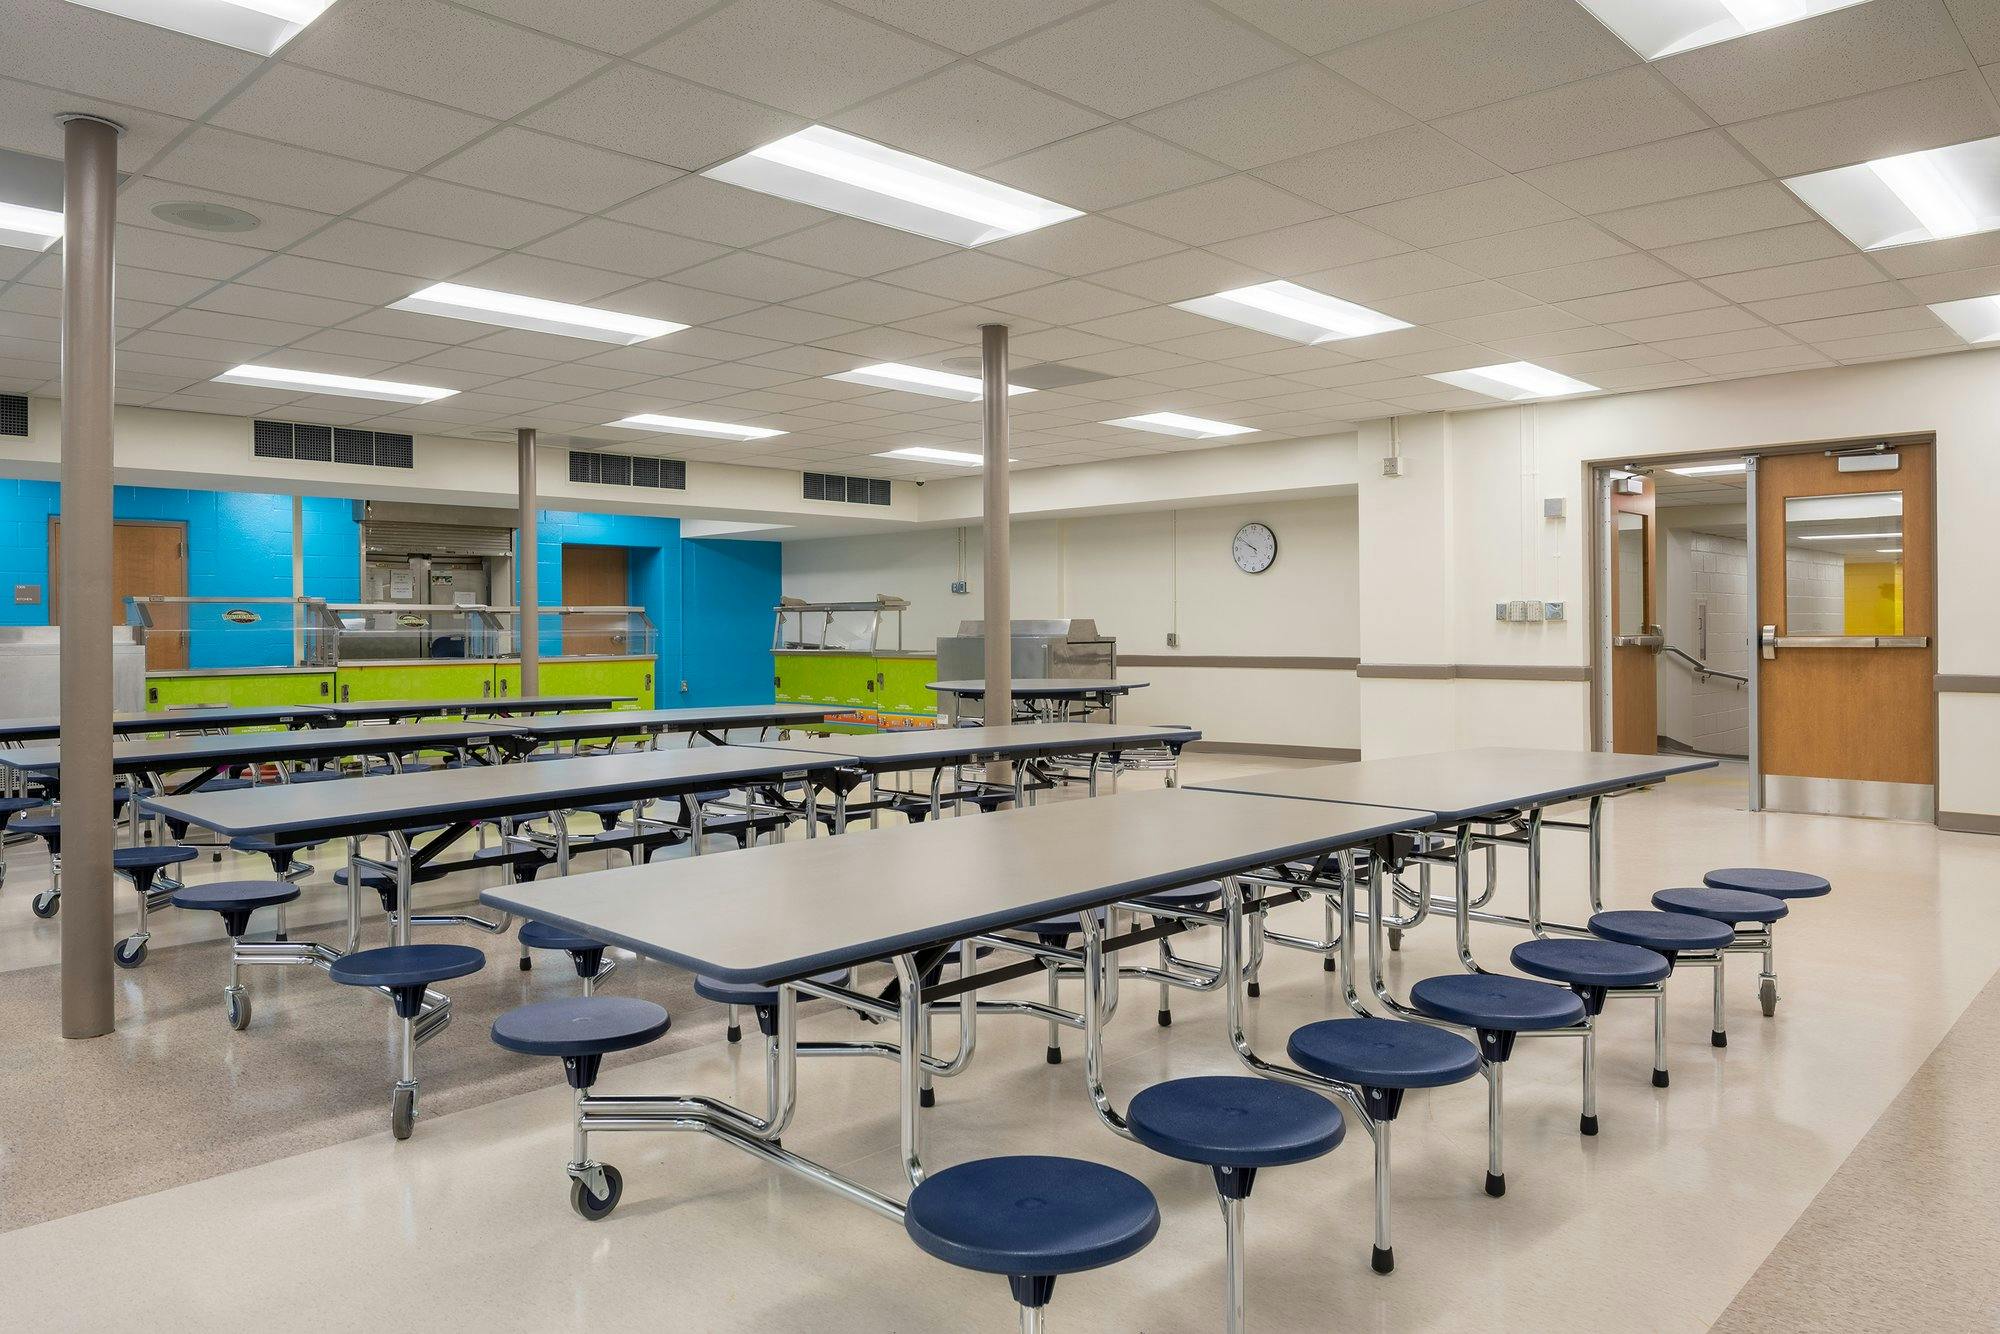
[
  {"x": 129, "y": 954},
  {"x": 1395, "y": 939},
  {"x": 596, "y": 1207},
  {"x": 1767, "y": 996},
  {"x": 45, "y": 904},
  {"x": 402, "y": 1112},
  {"x": 238, "y": 1008}
]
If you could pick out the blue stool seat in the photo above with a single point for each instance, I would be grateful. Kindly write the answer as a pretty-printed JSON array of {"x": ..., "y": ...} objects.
[
  {"x": 1769, "y": 881},
  {"x": 11, "y": 806},
  {"x": 39, "y": 826},
  {"x": 1722, "y": 905},
  {"x": 1031, "y": 1216},
  {"x": 380, "y": 881},
  {"x": 1064, "y": 925},
  {"x": 753, "y": 993},
  {"x": 405, "y": 965},
  {"x": 236, "y": 900},
  {"x": 1590, "y": 963},
  {"x": 1497, "y": 1004},
  {"x": 1664, "y": 932},
  {"x": 151, "y": 858},
  {"x": 1235, "y": 1121},
  {"x": 1384, "y": 1053},
  {"x": 543, "y": 936},
  {"x": 222, "y": 784},
  {"x": 1198, "y": 895},
  {"x": 580, "y": 1026}
]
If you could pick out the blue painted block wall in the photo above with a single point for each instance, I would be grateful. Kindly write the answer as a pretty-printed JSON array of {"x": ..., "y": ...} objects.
[{"x": 709, "y": 601}]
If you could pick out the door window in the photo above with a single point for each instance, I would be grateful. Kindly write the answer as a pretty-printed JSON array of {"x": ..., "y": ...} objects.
[{"x": 1844, "y": 564}]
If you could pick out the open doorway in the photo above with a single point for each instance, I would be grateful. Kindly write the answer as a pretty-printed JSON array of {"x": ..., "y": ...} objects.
[{"x": 1703, "y": 689}]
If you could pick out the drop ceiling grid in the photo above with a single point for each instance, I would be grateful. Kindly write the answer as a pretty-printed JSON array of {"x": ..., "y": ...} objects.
[{"x": 1503, "y": 173}]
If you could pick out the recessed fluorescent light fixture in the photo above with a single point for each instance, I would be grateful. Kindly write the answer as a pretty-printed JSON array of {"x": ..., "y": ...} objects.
[
  {"x": 527, "y": 312},
  {"x": 1291, "y": 311},
  {"x": 1843, "y": 537},
  {"x": 1515, "y": 381},
  {"x": 653, "y": 421},
  {"x": 1656, "y": 28},
  {"x": 1975, "y": 319},
  {"x": 839, "y": 172},
  {"x": 261, "y": 26},
  {"x": 27, "y": 228},
  {"x": 922, "y": 380},
  {"x": 1710, "y": 469},
  {"x": 1910, "y": 198},
  {"x": 925, "y": 454},
  {"x": 1888, "y": 551},
  {"x": 1176, "y": 423},
  {"x": 346, "y": 386}
]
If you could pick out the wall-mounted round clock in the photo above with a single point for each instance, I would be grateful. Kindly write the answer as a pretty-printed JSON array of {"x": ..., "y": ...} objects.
[{"x": 1255, "y": 547}]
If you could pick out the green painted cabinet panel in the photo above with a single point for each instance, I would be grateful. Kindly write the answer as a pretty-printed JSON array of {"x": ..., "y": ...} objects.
[
  {"x": 635, "y": 678},
  {"x": 902, "y": 693},
  {"x": 871, "y": 692},
  {"x": 415, "y": 680},
  {"x": 187, "y": 689}
]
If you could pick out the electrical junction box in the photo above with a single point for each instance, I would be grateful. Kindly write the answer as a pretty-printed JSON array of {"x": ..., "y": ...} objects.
[
  {"x": 1553, "y": 611},
  {"x": 960, "y": 586},
  {"x": 1392, "y": 466},
  {"x": 1555, "y": 507}
]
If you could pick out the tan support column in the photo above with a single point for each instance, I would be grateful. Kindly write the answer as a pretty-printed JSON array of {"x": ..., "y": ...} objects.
[
  {"x": 998, "y": 518},
  {"x": 528, "y": 623},
  {"x": 90, "y": 209}
]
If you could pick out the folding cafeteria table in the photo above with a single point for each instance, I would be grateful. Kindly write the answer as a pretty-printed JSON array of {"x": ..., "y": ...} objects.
[
  {"x": 1021, "y": 745},
  {"x": 1047, "y": 697},
  {"x": 909, "y": 895},
  {"x": 20, "y": 731},
  {"x": 707, "y": 724},
  {"x": 447, "y": 803},
  {"x": 396, "y": 710}
]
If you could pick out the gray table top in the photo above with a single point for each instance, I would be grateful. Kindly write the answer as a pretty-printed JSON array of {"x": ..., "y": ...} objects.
[
  {"x": 47, "y": 728},
  {"x": 400, "y": 801},
  {"x": 634, "y": 722},
  {"x": 1042, "y": 687},
  {"x": 922, "y": 747},
  {"x": 491, "y": 704},
  {"x": 1459, "y": 784},
  {"x": 787, "y": 910},
  {"x": 183, "y": 752}
]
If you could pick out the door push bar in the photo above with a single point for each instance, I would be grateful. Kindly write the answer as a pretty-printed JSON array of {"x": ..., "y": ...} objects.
[{"x": 1771, "y": 641}]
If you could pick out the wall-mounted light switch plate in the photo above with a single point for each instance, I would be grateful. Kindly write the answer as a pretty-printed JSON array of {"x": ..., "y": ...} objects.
[
  {"x": 1173, "y": 640},
  {"x": 1499, "y": 611}
]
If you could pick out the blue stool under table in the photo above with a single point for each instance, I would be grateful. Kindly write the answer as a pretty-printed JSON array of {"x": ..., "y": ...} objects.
[
  {"x": 405, "y": 974},
  {"x": 1234, "y": 1125},
  {"x": 1775, "y": 883},
  {"x": 1500, "y": 1009},
  {"x": 1679, "y": 938},
  {"x": 1033, "y": 1219},
  {"x": 586, "y": 954},
  {"x": 1380, "y": 1059},
  {"x": 1751, "y": 918},
  {"x": 235, "y": 901},
  {"x": 141, "y": 865},
  {"x": 9, "y": 808},
  {"x": 1594, "y": 970},
  {"x": 583, "y": 1030}
]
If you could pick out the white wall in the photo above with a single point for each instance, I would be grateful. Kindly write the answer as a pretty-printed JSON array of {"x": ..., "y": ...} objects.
[
  {"x": 1711, "y": 570},
  {"x": 1142, "y": 577},
  {"x": 1474, "y": 489}
]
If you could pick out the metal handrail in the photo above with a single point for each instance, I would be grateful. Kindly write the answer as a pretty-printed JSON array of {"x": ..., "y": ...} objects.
[{"x": 1701, "y": 668}]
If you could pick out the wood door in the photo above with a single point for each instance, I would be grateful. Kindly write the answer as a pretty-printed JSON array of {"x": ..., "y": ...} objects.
[
  {"x": 594, "y": 577},
  {"x": 1835, "y": 560},
  {"x": 147, "y": 560},
  {"x": 1635, "y": 697}
]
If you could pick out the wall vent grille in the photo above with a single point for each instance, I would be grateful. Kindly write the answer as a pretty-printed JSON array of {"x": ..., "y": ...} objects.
[
  {"x": 331, "y": 444},
  {"x": 589, "y": 465},
  {"x": 849, "y": 490},
  {"x": 13, "y": 414}
]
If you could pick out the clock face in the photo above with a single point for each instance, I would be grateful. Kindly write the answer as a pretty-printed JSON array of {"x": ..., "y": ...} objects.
[{"x": 1255, "y": 547}]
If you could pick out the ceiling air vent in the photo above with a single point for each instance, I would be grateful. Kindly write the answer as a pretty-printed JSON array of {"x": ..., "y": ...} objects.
[
  {"x": 13, "y": 414},
  {"x": 331, "y": 444},
  {"x": 589, "y": 465},
  {"x": 850, "y": 490}
]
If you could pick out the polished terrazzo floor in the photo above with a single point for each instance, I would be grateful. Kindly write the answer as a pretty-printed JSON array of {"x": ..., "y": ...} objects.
[{"x": 1748, "y": 1196}]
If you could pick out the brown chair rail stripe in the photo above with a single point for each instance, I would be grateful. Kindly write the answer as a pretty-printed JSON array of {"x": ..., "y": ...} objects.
[
  {"x": 1967, "y": 685},
  {"x": 1469, "y": 671}
]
